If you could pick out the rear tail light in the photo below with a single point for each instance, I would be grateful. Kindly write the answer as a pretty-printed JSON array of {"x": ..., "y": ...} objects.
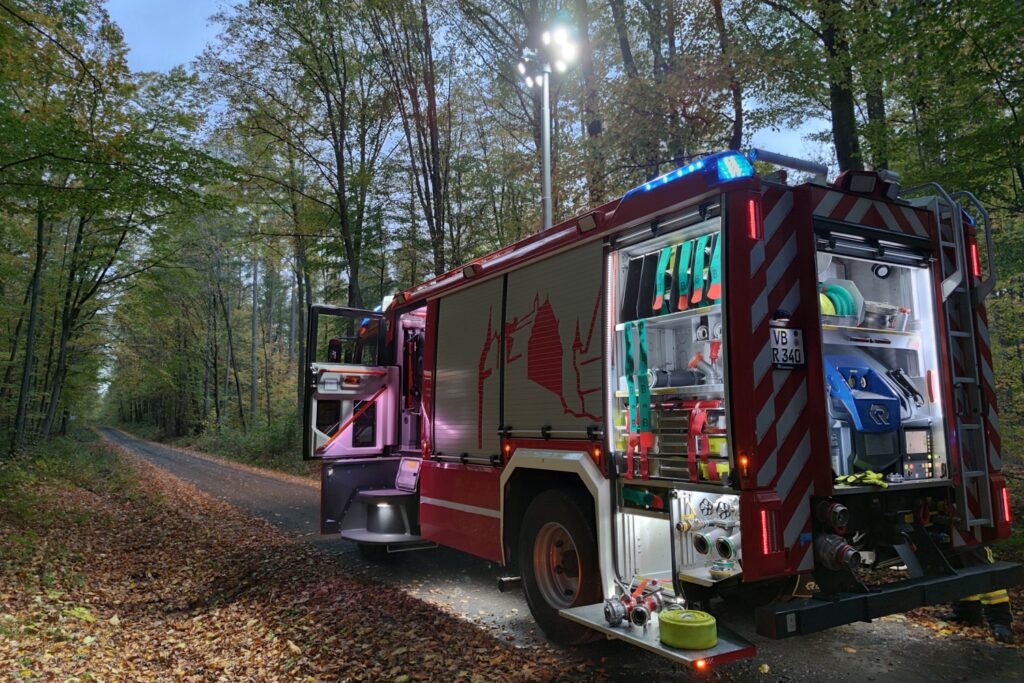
[
  {"x": 769, "y": 532},
  {"x": 764, "y": 532},
  {"x": 1006, "y": 505}
]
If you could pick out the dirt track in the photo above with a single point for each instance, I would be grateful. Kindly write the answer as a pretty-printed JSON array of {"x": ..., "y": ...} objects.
[{"x": 889, "y": 649}]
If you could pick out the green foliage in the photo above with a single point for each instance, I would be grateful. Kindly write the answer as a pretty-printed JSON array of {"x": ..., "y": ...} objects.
[{"x": 274, "y": 446}]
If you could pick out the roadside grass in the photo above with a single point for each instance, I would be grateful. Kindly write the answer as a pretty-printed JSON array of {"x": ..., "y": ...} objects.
[
  {"x": 277, "y": 446},
  {"x": 40, "y": 490},
  {"x": 78, "y": 460}
]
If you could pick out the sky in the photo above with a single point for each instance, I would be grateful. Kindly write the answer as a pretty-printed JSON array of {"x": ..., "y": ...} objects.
[{"x": 162, "y": 34}]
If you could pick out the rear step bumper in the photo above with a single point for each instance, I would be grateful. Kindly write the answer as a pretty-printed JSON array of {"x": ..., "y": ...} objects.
[
  {"x": 730, "y": 645},
  {"x": 807, "y": 616}
]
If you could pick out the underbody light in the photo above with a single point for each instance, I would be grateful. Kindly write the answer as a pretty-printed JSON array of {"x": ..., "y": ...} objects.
[{"x": 732, "y": 166}]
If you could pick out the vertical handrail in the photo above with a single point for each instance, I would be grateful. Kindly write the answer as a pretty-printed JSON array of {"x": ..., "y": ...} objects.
[
  {"x": 988, "y": 284},
  {"x": 956, "y": 279}
]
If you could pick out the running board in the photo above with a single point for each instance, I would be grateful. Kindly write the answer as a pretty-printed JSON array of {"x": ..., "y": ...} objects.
[
  {"x": 730, "y": 645},
  {"x": 396, "y": 543},
  {"x": 800, "y": 617}
]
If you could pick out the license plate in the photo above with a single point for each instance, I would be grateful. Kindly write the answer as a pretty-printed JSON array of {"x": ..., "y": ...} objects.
[{"x": 787, "y": 347}]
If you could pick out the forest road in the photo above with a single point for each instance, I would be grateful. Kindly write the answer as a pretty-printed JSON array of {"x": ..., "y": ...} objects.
[{"x": 886, "y": 650}]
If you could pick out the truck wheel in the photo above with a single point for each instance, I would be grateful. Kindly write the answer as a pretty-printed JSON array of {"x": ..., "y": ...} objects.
[{"x": 558, "y": 561}]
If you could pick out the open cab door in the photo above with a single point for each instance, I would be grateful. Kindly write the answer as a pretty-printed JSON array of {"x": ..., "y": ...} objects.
[{"x": 350, "y": 397}]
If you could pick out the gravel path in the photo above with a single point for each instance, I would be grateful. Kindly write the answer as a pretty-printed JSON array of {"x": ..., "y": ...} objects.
[{"x": 888, "y": 649}]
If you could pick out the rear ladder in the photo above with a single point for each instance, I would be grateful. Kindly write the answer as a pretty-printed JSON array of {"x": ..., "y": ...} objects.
[{"x": 974, "y": 499}]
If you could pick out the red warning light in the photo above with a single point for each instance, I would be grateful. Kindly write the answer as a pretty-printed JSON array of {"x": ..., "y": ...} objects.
[
  {"x": 753, "y": 222},
  {"x": 975, "y": 259}
]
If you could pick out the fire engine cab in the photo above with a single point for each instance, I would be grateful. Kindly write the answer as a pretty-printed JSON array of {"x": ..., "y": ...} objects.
[{"x": 719, "y": 384}]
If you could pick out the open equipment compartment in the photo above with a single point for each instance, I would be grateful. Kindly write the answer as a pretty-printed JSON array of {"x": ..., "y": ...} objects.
[
  {"x": 881, "y": 364},
  {"x": 669, "y": 423},
  {"x": 669, "y": 339}
]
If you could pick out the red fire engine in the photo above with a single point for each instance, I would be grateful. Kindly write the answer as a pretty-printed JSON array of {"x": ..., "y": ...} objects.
[{"x": 719, "y": 382}]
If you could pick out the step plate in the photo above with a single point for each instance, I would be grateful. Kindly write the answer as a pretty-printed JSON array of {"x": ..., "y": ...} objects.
[
  {"x": 730, "y": 645},
  {"x": 370, "y": 537}
]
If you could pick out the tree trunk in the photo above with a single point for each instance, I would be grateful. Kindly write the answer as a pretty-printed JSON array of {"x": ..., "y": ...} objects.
[
  {"x": 233, "y": 366},
  {"x": 19, "y": 436},
  {"x": 207, "y": 360},
  {"x": 301, "y": 288},
  {"x": 9, "y": 370},
  {"x": 840, "y": 89},
  {"x": 253, "y": 396},
  {"x": 725, "y": 44},
  {"x": 878, "y": 125},
  {"x": 622, "y": 32},
  {"x": 591, "y": 116}
]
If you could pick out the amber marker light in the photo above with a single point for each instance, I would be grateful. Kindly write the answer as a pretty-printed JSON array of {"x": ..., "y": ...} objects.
[
  {"x": 701, "y": 664},
  {"x": 744, "y": 466}
]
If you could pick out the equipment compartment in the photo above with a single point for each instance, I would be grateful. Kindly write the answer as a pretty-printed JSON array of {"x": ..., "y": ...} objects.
[
  {"x": 669, "y": 411},
  {"x": 881, "y": 368}
]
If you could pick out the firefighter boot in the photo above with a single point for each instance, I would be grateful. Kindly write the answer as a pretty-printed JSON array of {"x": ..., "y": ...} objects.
[
  {"x": 997, "y": 613},
  {"x": 967, "y": 612}
]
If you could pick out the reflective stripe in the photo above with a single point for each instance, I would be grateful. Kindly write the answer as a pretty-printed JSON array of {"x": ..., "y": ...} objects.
[
  {"x": 995, "y": 597},
  {"x": 461, "y": 507}
]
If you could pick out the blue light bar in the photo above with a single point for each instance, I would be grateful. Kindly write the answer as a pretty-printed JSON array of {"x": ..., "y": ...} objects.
[
  {"x": 730, "y": 166},
  {"x": 734, "y": 166}
]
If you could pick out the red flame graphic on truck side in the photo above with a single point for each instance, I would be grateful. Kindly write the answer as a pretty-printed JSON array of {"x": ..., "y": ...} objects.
[{"x": 545, "y": 351}]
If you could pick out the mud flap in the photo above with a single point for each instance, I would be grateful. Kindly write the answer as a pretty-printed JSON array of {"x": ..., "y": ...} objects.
[{"x": 730, "y": 646}]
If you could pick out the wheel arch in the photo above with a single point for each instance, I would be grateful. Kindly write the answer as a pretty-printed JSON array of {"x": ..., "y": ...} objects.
[{"x": 530, "y": 471}]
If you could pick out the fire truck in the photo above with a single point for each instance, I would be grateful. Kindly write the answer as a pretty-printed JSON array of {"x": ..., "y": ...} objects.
[{"x": 721, "y": 384}]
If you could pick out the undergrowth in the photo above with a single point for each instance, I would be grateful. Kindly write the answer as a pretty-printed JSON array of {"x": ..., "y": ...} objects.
[
  {"x": 36, "y": 487},
  {"x": 277, "y": 446}
]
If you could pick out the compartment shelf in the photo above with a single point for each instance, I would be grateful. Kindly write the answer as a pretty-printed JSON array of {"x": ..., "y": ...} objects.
[
  {"x": 869, "y": 330},
  {"x": 695, "y": 391},
  {"x": 870, "y": 337},
  {"x": 669, "y": 318}
]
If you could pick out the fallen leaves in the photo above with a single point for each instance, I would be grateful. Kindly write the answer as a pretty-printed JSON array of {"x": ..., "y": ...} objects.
[{"x": 170, "y": 584}]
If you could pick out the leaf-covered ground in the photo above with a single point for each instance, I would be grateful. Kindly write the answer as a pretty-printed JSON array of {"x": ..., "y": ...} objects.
[
  {"x": 134, "y": 575},
  {"x": 1010, "y": 550}
]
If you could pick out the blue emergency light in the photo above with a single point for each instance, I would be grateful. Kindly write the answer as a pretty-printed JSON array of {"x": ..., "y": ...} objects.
[{"x": 729, "y": 166}]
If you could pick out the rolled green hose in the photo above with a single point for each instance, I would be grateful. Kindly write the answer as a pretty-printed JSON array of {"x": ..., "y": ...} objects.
[
  {"x": 837, "y": 301},
  {"x": 687, "y": 629},
  {"x": 849, "y": 305}
]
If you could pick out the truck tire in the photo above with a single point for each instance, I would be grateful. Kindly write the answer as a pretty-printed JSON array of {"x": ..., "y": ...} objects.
[{"x": 558, "y": 563}]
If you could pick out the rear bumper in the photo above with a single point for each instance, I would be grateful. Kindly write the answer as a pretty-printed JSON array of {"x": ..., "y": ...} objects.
[{"x": 807, "y": 616}]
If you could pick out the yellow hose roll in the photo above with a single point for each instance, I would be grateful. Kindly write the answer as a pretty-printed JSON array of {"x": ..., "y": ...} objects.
[{"x": 687, "y": 629}]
